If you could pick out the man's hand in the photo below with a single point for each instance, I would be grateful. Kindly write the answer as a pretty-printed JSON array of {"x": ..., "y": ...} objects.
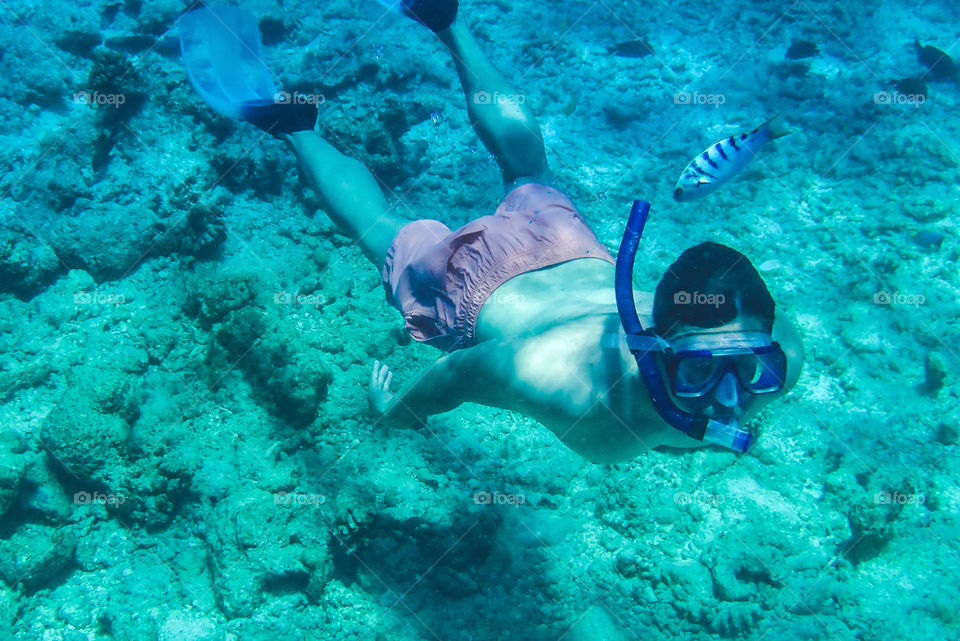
[{"x": 379, "y": 394}]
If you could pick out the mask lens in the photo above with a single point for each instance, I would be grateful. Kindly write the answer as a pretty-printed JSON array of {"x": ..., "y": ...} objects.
[
  {"x": 695, "y": 375},
  {"x": 763, "y": 372},
  {"x": 750, "y": 371}
]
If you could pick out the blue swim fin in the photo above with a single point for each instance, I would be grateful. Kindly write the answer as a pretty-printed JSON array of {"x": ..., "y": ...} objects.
[
  {"x": 223, "y": 55},
  {"x": 436, "y": 15}
]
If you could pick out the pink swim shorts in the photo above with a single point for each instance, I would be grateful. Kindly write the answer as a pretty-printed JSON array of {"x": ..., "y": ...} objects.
[{"x": 439, "y": 279}]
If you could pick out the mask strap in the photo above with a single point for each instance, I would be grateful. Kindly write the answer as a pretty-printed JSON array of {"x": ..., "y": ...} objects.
[{"x": 635, "y": 342}]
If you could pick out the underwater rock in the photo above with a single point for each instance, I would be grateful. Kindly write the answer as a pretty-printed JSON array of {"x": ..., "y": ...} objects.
[
  {"x": 106, "y": 241},
  {"x": 948, "y": 430},
  {"x": 75, "y": 30},
  {"x": 13, "y": 465},
  {"x": 264, "y": 544},
  {"x": 690, "y": 584},
  {"x": 627, "y": 561},
  {"x": 181, "y": 625},
  {"x": 240, "y": 170},
  {"x": 620, "y": 116},
  {"x": 88, "y": 445},
  {"x": 41, "y": 496},
  {"x": 295, "y": 390},
  {"x": 241, "y": 332},
  {"x": 186, "y": 625},
  {"x": 8, "y": 611},
  {"x": 291, "y": 382},
  {"x": 37, "y": 556},
  {"x": 212, "y": 293},
  {"x": 27, "y": 266},
  {"x": 873, "y": 504},
  {"x": 84, "y": 441},
  {"x": 739, "y": 575},
  {"x": 734, "y": 621},
  {"x": 810, "y": 594}
]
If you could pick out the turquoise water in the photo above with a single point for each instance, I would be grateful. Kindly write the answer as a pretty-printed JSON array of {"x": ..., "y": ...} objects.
[{"x": 187, "y": 450}]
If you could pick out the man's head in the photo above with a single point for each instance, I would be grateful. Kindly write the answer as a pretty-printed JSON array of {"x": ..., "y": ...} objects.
[
  {"x": 709, "y": 286},
  {"x": 713, "y": 299}
]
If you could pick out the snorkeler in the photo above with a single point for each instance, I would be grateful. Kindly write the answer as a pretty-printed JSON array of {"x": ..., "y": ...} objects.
[{"x": 534, "y": 314}]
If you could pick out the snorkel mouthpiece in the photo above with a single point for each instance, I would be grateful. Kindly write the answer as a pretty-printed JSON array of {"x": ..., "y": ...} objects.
[
  {"x": 700, "y": 427},
  {"x": 727, "y": 435}
]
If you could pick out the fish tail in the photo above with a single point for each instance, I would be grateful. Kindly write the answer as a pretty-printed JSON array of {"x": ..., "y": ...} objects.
[{"x": 775, "y": 128}]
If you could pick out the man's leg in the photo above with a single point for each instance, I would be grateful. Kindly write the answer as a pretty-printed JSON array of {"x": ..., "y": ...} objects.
[
  {"x": 349, "y": 194},
  {"x": 501, "y": 118}
]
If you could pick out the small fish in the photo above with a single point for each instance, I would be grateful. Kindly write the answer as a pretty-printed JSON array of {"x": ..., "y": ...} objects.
[
  {"x": 724, "y": 159},
  {"x": 910, "y": 86},
  {"x": 929, "y": 240},
  {"x": 138, "y": 44},
  {"x": 130, "y": 44},
  {"x": 632, "y": 49},
  {"x": 800, "y": 49},
  {"x": 940, "y": 66}
]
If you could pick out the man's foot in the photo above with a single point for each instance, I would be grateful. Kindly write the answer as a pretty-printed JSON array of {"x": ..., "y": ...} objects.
[
  {"x": 278, "y": 119},
  {"x": 435, "y": 15}
]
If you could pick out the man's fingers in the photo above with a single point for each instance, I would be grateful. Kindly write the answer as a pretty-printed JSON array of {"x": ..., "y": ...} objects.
[{"x": 382, "y": 377}]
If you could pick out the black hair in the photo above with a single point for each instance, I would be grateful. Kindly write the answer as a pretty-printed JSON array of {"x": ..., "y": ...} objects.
[{"x": 709, "y": 285}]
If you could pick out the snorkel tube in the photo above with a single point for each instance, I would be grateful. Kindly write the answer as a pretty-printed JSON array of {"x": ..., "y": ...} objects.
[{"x": 697, "y": 426}]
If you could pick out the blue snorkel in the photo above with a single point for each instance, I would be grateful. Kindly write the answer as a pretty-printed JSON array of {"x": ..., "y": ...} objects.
[{"x": 642, "y": 344}]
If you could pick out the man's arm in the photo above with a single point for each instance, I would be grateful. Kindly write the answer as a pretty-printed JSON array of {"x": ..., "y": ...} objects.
[{"x": 462, "y": 376}]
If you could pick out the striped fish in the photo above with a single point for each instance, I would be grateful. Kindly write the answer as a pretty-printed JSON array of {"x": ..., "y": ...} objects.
[{"x": 724, "y": 159}]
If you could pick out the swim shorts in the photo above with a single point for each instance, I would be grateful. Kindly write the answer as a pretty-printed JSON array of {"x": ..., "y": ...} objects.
[{"x": 439, "y": 279}]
